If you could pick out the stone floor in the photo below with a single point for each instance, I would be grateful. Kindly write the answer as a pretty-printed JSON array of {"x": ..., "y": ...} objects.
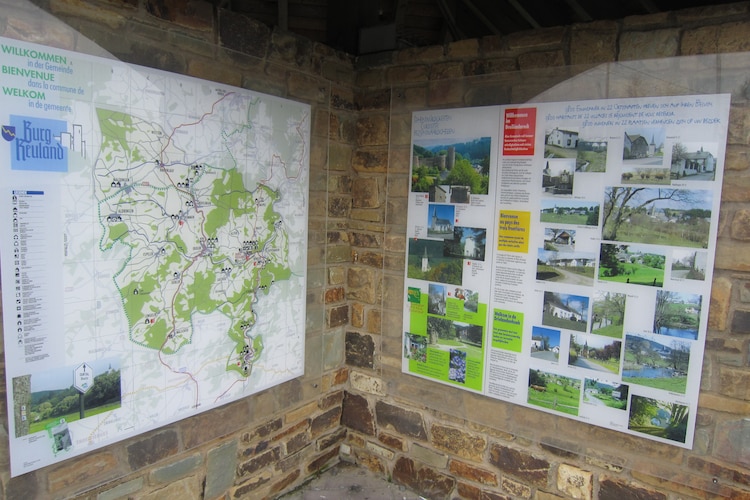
[{"x": 346, "y": 480}]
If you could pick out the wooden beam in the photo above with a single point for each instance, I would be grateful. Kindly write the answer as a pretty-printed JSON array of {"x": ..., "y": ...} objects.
[
  {"x": 527, "y": 17},
  {"x": 450, "y": 21},
  {"x": 580, "y": 12},
  {"x": 478, "y": 13}
]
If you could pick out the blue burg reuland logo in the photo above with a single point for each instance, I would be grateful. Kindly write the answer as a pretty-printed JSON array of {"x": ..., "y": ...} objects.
[{"x": 37, "y": 143}]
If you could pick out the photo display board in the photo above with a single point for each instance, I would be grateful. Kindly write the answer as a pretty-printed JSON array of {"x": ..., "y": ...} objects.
[
  {"x": 560, "y": 256},
  {"x": 154, "y": 239}
]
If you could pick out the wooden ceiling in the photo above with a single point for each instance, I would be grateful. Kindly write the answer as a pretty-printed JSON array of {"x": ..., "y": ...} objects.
[{"x": 368, "y": 26}]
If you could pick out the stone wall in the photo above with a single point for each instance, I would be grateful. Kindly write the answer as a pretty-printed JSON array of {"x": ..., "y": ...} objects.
[
  {"x": 353, "y": 402},
  {"x": 446, "y": 443}
]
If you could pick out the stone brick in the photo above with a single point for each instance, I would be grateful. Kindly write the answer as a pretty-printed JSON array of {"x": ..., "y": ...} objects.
[
  {"x": 171, "y": 472},
  {"x": 733, "y": 37},
  {"x": 317, "y": 464},
  {"x": 152, "y": 448},
  {"x": 195, "y": 14},
  {"x": 374, "y": 321},
  {"x": 358, "y": 315},
  {"x": 371, "y": 461},
  {"x": 364, "y": 284},
  {"x": 380, "y": 450},
  {"x": 325, "y": 421},
  {"x": 718, "y": 312},
  {"x": 575, "y": 482},
  {"x": 255, "y": 449},
  {"x": 520, "y": 464},
  {"x": 356, "y": 414},
  {"x": 330, "y": 439},
  {"x": 337, "y": 316},
  {"x": 360, "y": 350},
  {"x": 338, "y": 254},
  {"x": 358, "y": 239},
  {"x": 153, "y": 56},
  {"x": 428, "y": 456},
  {"x": 367, "y": 214},
  {"x": 407, "y": 74},
  {"x": 339, "y": 156},
  {"x": 406, "y": 422},
  {"x": 365, "y": 192},
  {"x": 23, "y": 487},
  {"x": 722, "y": 471},
  {"x": 425, "y": 480},
  {"x": 374, "y": 161},
  {"x": 331, "y": 399},
  {"x": 472, "y": 473},
  {"x": 732, "y": 442},
  {"x": 179, "y": 490},
  {"x": 735, "y": 383},
  {"x": 558, "y": 447},
  {"x": 535, "y": 39},
  {"x": 259, "y": 462},
  {"x": 372, "y": 259},
  {"x": 463, "y": 49},
  {"x": 309, "y": 88},
  {"x": 740, "y": 227},
  {"x": 468, "y": 491},
  {"x": 444, "y": 93},
  {"x": 639, "y": 45},
  {"x": 285, "y": 482},
  {"x": 491, "y": 495},
  {"x": 335, "y": 295},
  {"x": 242, "y": 34},
  {"x": 731, "y": 255},
  {"x": 679, "y": 482},
  {"x": 340, "y": 376},
  {"x": 221, "y": 463},
  {"x": 448, "y": 70},
  {"x": 123, "y": 490},
  {"x": 296, "y": 443},
  {"x": 245, "y": 489},
  {"x": 534, "y": 60},
  {"x": 339, "y": 206},
  {"x": 290, "y": 49},
  {"x": 391, "y": 441},
  {"x": 458, "y": 442},
  {"x": 741, "y": 321},
  {"x": 612, "y": 489},
  {"x": 430, "y": 53},
  {"x": 594, "y": 43},
  {"x": 83, "y": 470},
  {"x": 515, "y": 488},
  {"x": 366, "y": 383},
  {"x": 372, "y": 130},
  {"x": 264, "y": 430},
  {"x": 490, "y": 66},
  {"x": 336, "y": 275}
]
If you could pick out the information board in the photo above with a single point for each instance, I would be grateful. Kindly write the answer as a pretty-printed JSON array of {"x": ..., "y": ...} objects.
[
  {"x": 154, "y": 236},
  {"x": 560, "y": 256}
]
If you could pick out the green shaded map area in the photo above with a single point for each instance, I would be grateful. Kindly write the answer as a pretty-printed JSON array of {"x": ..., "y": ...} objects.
[{"x": 198, "y": 240}]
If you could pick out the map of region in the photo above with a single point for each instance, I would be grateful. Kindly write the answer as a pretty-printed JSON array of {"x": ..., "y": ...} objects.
[{"x": 160, "y": 263}]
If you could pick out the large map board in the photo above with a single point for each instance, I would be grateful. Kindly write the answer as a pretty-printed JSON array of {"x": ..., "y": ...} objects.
[
  {"x": 153, "y": 247},
  {"x": 560, "y": 256}
]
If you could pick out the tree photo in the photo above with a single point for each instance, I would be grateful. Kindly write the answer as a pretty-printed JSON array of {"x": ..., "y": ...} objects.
[
  {"x": 658, "y": 418},
  {"x": 464, "y": 163},
  {"x": 53, "y": 396},
  {"x": 658, "y": 216}
]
